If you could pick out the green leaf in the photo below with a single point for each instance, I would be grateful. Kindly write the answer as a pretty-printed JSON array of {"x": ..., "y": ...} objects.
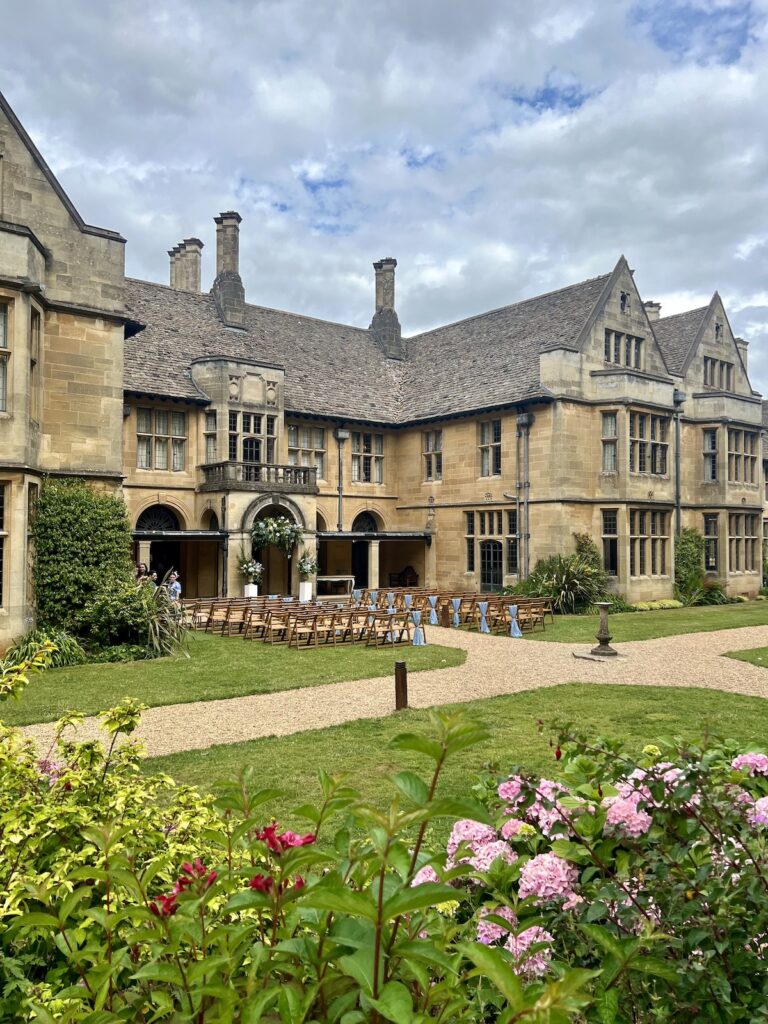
[
  {"x": 603, "y": 938},
  {"x": 35, "y": 919},
  {"x": 492, "y": 964},
  {"x": 394, "y": 1003},
  {"x": 654, "y": 966},
  {"x": 359, "y": 966},
  {"x": 417, "y": 898},
  {"x": 419, "y": 744},
  {"x": 607, "y": 1005},
  {"x": 458, "y": 807},
  {"x": 341, "y": 901},
  {"x": 412, "y": 786}
]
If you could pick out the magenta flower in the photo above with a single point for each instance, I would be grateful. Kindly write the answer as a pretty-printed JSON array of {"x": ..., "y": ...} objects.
[
  {"x": 548, "y": 878},
  {"x": 535, "y": 964},
  {"x": 625, "y": 818},
  {"x": 425, "y": 874},
  {"x": 755, "y": 764},
  {"x": 488, "y": 932}
]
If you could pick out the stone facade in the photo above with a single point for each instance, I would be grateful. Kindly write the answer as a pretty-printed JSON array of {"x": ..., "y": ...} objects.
[{"x": 464, "y": 454}]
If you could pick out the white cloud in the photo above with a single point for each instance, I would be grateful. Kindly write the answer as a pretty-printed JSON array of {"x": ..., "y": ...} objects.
[{"x": 496, "y": 150}]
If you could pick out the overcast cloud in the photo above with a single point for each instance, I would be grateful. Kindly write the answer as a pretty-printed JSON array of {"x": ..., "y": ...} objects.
[{"x": 497, "y": 148}]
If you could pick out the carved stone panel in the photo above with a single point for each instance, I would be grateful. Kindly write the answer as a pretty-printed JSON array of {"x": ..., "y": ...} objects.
[{"x": 253, "y": 388}]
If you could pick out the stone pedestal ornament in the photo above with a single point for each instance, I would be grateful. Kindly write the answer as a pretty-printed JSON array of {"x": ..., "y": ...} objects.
[{"x": 603, "y": 634}]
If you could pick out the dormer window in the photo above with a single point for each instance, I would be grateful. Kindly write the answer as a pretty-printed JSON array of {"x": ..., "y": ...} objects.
[
  {"x": 624, "y": 302},
  {"x": 623, "y": 349}
]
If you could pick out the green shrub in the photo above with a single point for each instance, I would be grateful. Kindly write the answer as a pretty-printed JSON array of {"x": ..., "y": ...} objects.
[
  {"x": 657, "y": 606},
  {"x": 67, "y": 650},
  {"x": 587, "y": 550},
  {"x": 572, "y": 584},
  {"x": 82, "y": 542},
  {"x": 689, "y": 562},
  {"x": 117, "y": 653},
  {"x": 133, "y": 615}
]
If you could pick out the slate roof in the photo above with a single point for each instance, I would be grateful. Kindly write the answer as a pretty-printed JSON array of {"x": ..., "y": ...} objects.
[
  {"x": 676, "y": 335},
  {"x": 336, "y": 370}
]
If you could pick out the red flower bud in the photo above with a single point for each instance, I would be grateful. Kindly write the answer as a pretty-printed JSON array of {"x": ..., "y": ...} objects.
[
  {"x": 261, "y": 883},
  {"x": 299, "y": 883},
  {"x": 558, "y": 753}
]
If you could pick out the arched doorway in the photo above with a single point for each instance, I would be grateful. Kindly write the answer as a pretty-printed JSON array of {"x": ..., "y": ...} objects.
[
  {"x": 277, "y": 564},
  {"x": 164, "y": 554},
  {"x": 364, "y": 522}
]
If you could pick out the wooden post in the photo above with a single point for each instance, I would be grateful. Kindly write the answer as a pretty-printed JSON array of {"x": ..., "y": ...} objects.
[
  {"x": 401, "y": 685},
  {"x": 445, "y": 615}
]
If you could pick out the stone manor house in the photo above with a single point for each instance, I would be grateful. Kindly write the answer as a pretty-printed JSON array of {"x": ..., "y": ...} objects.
[{"x": 457, "y": 457}]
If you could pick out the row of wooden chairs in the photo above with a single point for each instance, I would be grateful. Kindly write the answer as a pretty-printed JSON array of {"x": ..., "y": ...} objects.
[{"x": 311, "y": 627}]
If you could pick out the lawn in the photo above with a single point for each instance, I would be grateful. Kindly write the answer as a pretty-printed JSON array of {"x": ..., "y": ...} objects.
[
  {"x": 647, "y": 625},
  {"x": 218, "y": 667},
  {"x": 638, "y": 714},
  {"x": 757, "y": 656}
]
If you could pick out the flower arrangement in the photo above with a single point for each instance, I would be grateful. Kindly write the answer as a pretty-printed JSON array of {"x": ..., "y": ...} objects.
[
  {"x": 250, "y": 568},
  {"x": 307, "y": 566},
  {"x": 277, "y": 531}
]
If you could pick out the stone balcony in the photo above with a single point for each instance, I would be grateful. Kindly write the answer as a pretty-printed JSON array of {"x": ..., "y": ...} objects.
[{"x": 258, "y": 476}]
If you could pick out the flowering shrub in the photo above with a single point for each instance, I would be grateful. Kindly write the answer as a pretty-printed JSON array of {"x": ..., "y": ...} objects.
[
  {"x": 307, "y": 566},
  {"x": 131, "y": 899},
  {"x": 249, "y": 567},
  {"x": 278, "y": 531}
]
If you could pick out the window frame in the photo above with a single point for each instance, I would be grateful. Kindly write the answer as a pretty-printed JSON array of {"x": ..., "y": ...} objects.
[
  {"x": 711, "y": 543},
  {"x": 743, "y": 542},
  {"x": 610, "y": 541},
  {"x": 5, "y": 355},
  {"x": 153, "y": 440},
  {"x": 648, "y": 542},
  {"x": 609, "y": 443},
  {"x": 710, "y": 455},
  {"x": 432, "y": 455},
  {"x": 648, "y": 438},
  {"x": 5, "y": 489},
  {"x": 490, "y": 434},
  {"x": 367, "y": 458},
  {"x": 303, "y": 448}
]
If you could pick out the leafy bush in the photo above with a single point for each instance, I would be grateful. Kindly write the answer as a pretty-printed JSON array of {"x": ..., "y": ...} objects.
[
  {"x": 82, "y": 541},
  {"x": 572, "y": 584},
  {"x": 618, "y": 604},
  {"x": 587, "y": 550},
  {"x": 657, "y": 606},
  {"x": 66, "y": 649},
  {"x": 131, "y": 614},
  {"x": 689, "y": 562},
  {"x": 133, "y": 900},
  {"x": 117, "y": 653}
]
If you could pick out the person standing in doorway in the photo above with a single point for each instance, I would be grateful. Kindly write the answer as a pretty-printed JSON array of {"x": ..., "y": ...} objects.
[{"x": 174, "y": 587}]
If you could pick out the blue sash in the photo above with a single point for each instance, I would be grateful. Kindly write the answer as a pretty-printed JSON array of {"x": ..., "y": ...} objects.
[{"x": 433, "y": 620}]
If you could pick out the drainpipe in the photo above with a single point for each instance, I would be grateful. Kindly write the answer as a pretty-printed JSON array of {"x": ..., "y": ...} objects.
[
  {"x": 341, "y": 436},
  {"x": 524, "y": 421},
  {"x": 678, "y": 398}
]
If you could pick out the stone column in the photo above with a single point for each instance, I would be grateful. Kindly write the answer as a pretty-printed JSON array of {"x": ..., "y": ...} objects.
[
  {"x": 373, "y": 565},
  {"x": 145, "y": 552}
]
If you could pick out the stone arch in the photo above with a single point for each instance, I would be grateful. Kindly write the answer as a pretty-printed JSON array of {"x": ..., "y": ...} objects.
[
  {"x": 368, "y": 516},
  {"x": 209, "y": 520},
  {"x": 283, "y": 505},
  {"x": 321, "y": 523},
  {"x": 164, "y": 515}
]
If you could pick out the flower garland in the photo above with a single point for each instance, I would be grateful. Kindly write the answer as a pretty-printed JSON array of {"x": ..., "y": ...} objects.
[{"x": 279, "y": 532}]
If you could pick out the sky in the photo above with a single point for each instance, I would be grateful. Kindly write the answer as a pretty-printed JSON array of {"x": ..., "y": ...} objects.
[{"x": 497, "y": 148}]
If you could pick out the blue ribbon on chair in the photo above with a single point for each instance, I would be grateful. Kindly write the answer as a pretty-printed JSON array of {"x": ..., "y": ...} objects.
[
  {"x": 390, "y": 599},
  {"x": 433, "y": 619},
  {"x": 273, "y": 597},
  {"x": 514, "y": 628},
  {"x": 356, "y": 595},
  {"x": 408, "y": 598},
  {"x": 287, "y": 599},
  {"x": 483, "y": 606},
  {"x": 456, "y": 602},
  {"x": 419, "y": 640},
  {"x": 374, "y": 596}
]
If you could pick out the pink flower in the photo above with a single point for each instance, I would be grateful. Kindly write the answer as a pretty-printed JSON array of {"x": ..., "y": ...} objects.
[
  {"x": 511, "y": 827},
  {"x": 537, "y": 963},
  {"x": 547, "y": 877},
  {"x": 471, "y": 832},
  {"x": 484, "y": 854},
  {"x": 482, "y": 845},
  {"x": 285, "y": 840},
  {"x": 758, "y": 815},
  {"x": 511, "y": 790},
  {"x": 261, "y": 883},
  {"x": 755, "y": 764},
  {"x": 625, "y": 818},
  {"x": 488, "y": 932},
  {"x": 425, "y": 874},
  {"x": 167, "y": 908}
]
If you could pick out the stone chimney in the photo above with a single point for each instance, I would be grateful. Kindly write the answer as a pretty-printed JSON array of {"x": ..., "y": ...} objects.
[
  {"x": 652, "y": 309},
  {"x": 175, "y": 266},
  {"x": 191, "y": 255},
  {"x": 228, "y": 288},
  {"x": 742, "y": 345},
  {"x": 385, "y": 326}
]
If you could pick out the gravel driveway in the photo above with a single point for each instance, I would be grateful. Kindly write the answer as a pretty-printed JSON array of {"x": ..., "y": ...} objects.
[{"x": 494, "y": 666}]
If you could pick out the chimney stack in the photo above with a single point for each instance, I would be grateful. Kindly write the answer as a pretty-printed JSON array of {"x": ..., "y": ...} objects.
[
  {"x": 174, "y": 265},
  {"x": 192, "y": 256},
  {"x": 652, "y": 310},
  {"x": 228, "y": 288},
  {"x": 385, "y": 326}
]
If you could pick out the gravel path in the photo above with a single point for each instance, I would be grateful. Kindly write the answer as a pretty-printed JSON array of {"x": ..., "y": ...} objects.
[{"x": 494, "y": 666}]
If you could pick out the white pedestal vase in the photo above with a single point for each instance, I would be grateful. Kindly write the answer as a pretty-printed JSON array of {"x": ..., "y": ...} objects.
[
  {"x": 305, "y": 590},
  {"x": 251, "y": 589}
]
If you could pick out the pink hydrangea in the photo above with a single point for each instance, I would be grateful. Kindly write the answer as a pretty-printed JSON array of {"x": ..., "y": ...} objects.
[
  {"x": 548, "y": 877},
  {"x": 488, "y": 932},
  {"x": 425, "y": 874},
  {"x": 511, "y": 827},
  {"x": 511, "y": 790},
  {"x": 471, "y": 832},
  {"x": 625, "y": 818},
  {"x": 545, "y": 812},
  {"x": 755, "y": 764},
  {"x": 758, "y": 815},
  {"x": 533, "y": 965},
  {"x": 484, "y": 854}
]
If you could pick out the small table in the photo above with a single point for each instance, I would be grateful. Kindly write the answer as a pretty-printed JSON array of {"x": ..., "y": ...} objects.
[{"x": 331, "y": 587}]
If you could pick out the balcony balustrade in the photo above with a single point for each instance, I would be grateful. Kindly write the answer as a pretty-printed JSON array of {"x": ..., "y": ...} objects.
[{"x": 259, "y": 476}]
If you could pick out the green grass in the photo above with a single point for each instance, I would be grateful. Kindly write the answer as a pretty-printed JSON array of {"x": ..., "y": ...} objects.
[
  {"x": 648, "y": 625},
  {"x": 217, "y": 668},
  {"x": 639, "y": 715},
  {"x": 757, "y": 656}
]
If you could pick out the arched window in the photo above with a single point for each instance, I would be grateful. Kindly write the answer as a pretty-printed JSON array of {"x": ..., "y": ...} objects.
[
  {"x": 210, "y": 520},
  {"x": 251, "y": 449},
  {"x": 158, "y": 517},
  {"x": 491, "y": 566},
  {"x": 365, "y": 523}
]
